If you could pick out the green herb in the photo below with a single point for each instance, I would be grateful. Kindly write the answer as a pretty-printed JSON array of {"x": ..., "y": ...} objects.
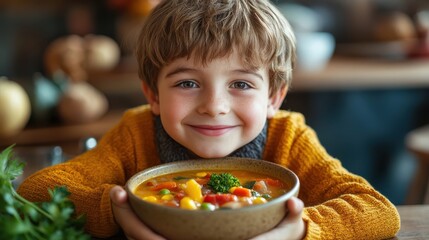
[
  {"x": 249, "y": 184},
  {"x": 223, "y": 182},
  {"x": 22, "y": 219}
]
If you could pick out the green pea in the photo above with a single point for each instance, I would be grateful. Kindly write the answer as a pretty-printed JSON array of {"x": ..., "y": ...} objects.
[
  {"x": 207, "y": 206},
  {"x": 164, "y": 191}
]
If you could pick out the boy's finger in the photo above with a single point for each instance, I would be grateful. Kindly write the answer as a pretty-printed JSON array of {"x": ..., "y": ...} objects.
[
  {"x": 295, "y": 207},
  {"x": 119, "y": 197}
]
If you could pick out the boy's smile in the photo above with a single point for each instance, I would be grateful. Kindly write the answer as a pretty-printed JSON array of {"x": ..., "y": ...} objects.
[
  {"x": 215, "y": 108},
  {"x": 212, "y": 130}
]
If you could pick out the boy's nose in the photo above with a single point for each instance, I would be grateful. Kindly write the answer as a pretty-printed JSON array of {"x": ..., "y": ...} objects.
[{"x": 213, "y": 104}]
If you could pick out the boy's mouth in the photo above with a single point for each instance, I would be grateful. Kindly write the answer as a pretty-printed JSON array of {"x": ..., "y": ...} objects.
[{"x": 212, "y": 130}]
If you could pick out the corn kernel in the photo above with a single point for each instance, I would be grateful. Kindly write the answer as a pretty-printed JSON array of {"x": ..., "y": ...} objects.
[
  {"x": 187, "y": 203},
  {"x": 167, "y": 197},
  {"x": 150, "y": 199},
  {"x": 182, "y": 186},
  {"x": 201, "y": 174},
  {"x": 259, "y": 200}
]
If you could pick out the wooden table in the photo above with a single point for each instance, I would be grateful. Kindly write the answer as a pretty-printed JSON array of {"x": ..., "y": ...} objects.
[
  {"x": 66, "y": 136},
  {"x": 414, "y": 222}
]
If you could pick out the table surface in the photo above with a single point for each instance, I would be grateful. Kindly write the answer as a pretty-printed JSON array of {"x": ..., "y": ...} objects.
[{"x": 414, "y": 222}]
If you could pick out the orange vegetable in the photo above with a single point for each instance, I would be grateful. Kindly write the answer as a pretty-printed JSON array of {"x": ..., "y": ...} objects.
[
  {"x": 242, "y": 192},
  {"x": 202, "y": 181},
  {"x": 273, "y": 182},
  {"x": 260, "y": 187}
]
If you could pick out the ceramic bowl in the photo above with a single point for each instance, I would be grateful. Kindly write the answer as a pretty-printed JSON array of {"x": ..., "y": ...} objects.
[
  {"x": 314, "y": 50},
  {"x": 241, "y": 223}
]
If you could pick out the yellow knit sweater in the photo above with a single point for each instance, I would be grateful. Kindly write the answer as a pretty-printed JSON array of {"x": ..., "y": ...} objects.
[{"x": 338, "y": 204}]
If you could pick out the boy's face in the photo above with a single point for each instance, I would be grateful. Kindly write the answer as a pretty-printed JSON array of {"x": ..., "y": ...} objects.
[{"x": 216, "y": 108}]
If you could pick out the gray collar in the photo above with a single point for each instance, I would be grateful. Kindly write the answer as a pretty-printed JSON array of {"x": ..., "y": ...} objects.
[{"x": 171, "y": 151}]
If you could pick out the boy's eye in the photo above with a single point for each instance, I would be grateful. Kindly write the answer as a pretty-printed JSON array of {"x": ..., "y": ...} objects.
[
  {"x": 241, "y": 85},
  {"x": 187, "y": 84}
]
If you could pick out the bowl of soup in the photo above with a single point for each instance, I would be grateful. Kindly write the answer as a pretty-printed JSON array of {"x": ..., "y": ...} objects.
[{"x": 228, "y": 198}]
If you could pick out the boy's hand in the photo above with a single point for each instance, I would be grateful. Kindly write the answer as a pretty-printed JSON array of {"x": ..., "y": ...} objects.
[
  {"x": 292, "y": 226},
  {"x": 124, "y": 216}
]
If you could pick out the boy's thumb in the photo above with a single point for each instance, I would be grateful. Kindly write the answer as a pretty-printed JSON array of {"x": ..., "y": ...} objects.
[{"x": 118, "y": 196}]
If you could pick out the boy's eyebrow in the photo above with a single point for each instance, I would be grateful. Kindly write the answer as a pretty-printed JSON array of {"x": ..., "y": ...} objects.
[
  {"x": 245, "y": 71},
  {"x": 188, "y": 69},
  {"x": 180, "y": 70}
]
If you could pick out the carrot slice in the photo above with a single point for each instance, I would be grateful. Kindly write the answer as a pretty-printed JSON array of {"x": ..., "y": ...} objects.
[
  {"x": 242, "y": 192},
  {"x": 273, "y": 182}
]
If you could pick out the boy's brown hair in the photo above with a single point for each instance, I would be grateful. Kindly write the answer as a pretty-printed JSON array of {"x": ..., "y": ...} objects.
[{"x": 208, "y": 29}]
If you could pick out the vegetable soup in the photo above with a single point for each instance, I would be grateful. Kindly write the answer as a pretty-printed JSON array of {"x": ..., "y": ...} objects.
[{"x": 211, "y": 190}]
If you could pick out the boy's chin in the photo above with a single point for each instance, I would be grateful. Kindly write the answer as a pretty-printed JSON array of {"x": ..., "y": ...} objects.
[{"x": 214, "y": 154}]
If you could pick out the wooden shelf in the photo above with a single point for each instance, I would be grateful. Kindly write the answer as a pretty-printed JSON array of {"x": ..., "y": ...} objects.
[
  {"x": 341, "y": 73},
  {"x": 63, "y": 133},
  {"x": 364, "y": 73}
]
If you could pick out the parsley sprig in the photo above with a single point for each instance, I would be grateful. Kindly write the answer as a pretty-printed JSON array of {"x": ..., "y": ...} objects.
[{"x": 22, "y": 219}]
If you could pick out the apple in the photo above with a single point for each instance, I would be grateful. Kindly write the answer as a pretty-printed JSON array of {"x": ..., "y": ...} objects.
[{"x": 15, "y": 107}]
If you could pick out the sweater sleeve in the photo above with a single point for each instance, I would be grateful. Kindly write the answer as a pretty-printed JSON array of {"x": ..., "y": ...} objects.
[
  {"x": 89, "y": 178},
  {"x": 338, "y": 204}
]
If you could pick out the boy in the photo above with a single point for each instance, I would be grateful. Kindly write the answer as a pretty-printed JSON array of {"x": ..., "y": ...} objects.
[{"x": 215, "y": 73}]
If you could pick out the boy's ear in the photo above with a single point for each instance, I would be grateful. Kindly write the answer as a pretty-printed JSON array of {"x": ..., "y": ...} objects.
[
  {"x": 276, "y": 101},
  {"x": 151, "y": 97}
]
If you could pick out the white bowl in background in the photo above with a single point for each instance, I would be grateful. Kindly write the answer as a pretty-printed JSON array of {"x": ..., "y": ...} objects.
[{"x": 314, "y": 50}]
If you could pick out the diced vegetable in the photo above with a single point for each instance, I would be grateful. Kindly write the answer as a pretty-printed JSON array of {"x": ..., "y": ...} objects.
[
  {"x": 164, "y": 191},
  {"x": 201, "y": 174},
  {"x": 220, "y": 198},
  {"x": 260, "y": 187},
  {"x": 266, "y": 196},
  {"x": 273, "y": 182},
  {"x": 242, "y": 192},
  {"x": 249, "y": 184},
  {"x": 210, "y": 190},
  {"x": 202, "y": 181},
  {"x": 207, "y": 206},
  {"x": 188, "y": 203},
  {"x": 167, "y": 197},
  {"x": 259, "y": 200},
  {"x": 193, "y": 189},
  {"x": 150, "y": 199}
]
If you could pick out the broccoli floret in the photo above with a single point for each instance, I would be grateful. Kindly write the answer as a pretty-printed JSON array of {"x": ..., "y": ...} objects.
[{"x": 223, "y": 182}]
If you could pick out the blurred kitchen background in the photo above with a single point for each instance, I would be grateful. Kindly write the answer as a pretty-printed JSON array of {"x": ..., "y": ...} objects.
[{"x": 361, "y": 80}]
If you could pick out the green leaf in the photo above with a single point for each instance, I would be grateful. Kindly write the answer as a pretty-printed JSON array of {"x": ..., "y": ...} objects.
[
  {"x": 22, "y": 219},
  {"x": 10, "y": 168}
]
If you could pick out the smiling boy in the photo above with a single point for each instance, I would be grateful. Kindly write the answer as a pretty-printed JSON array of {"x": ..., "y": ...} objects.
[
  {"x": 213, "y": 110},
  {"x": 215, "y": 73}
]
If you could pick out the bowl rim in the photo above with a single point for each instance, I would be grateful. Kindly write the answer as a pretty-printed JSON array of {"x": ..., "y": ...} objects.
[{"x": 282, "y": 198}]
